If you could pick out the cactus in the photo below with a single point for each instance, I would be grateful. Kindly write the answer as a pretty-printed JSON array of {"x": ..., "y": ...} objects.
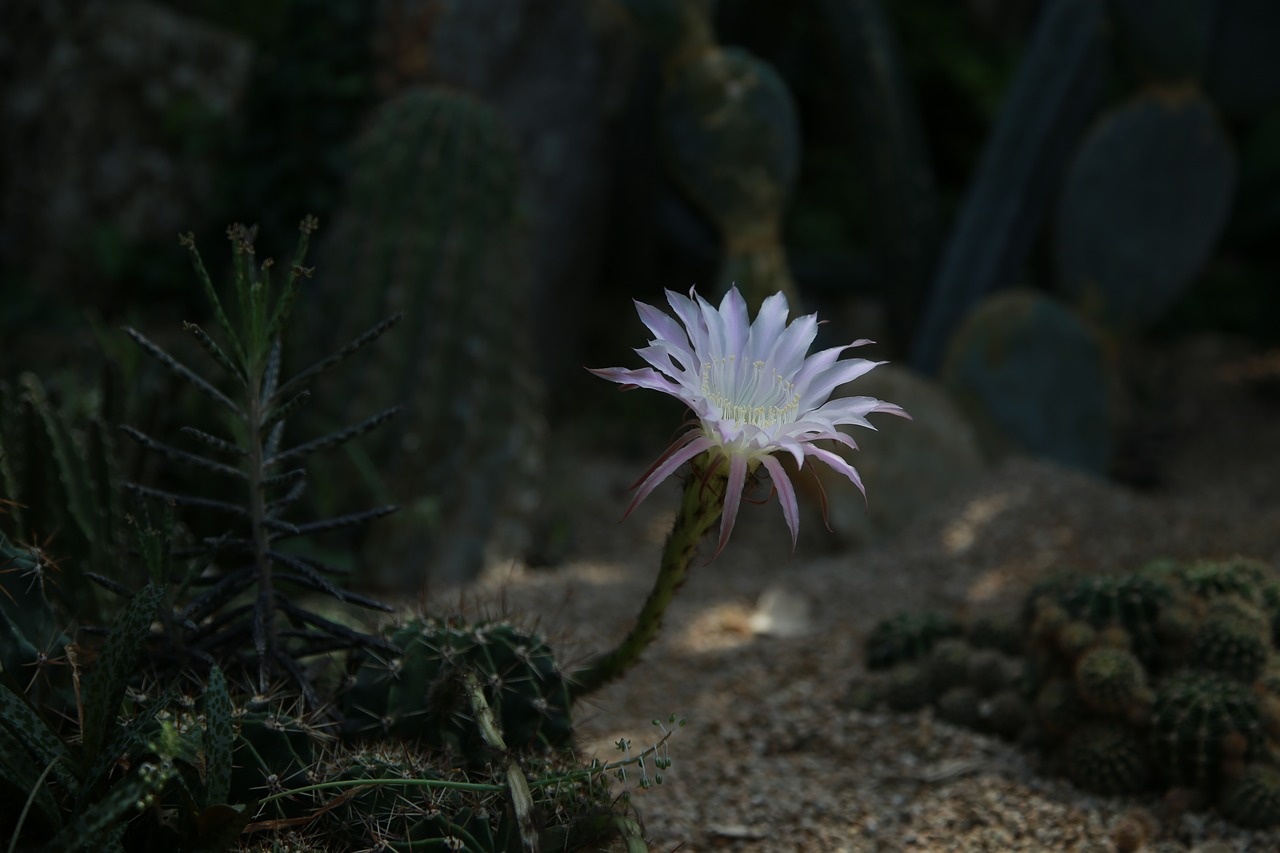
[
  {"x": 864, "y": 58},
  {"x": 245, "y": 557},
  {"x": 906, "y": 637},
  {"x": 1161, "y": 172},
  {"x": 1241, "y": 577},
  {"x": 1164, "y": 677},
  {"x": 1222, "y": 48},
  {"x": 1107, "y": 758},
  {"x": 1112, "y": 682},
  {"x": 276, "y": 744},
  {"x": 1199, "y": 723},
  {"x": 1234, "y": 644},
  {"x": 1033, "y": 377},
  {"x": 949, "y": 662},
  {"x": 1131, "y": 602},
  {"x": 1252, "y": 799},
  {"x": 1053, "y": 96},
  {"x": 431, "y": 227},
  {"x": 908, "y": 686},
  {"x": 1059, "y": 708},
  {"x": 729, "y": 138},
  {"x": 418, "y": 694}
]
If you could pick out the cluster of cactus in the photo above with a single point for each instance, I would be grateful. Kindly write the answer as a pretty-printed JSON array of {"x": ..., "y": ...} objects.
[
  {"x": 1159, "y": 169},
  {"x": 729, "y": 138},
  {"x": 431, "y": 227},
  {"x": 1165, "y": 677}
]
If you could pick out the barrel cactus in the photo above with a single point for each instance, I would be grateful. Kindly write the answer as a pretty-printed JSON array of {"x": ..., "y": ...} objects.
[
  {"x": 419, "y": 696},
  {"x": 432, "y": 228}
]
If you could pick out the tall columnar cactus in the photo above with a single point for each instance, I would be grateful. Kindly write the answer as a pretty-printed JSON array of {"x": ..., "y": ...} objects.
[
  {"x": 431, "y": 227},
  {"x": 729, "y": 137}
]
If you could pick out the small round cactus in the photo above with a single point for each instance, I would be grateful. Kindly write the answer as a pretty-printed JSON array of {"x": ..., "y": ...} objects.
[
  {"x": 949, "y": 663},
  {"x": 1237, "y": 576},
  {"x": 1233, "y": 645},
  {"x": 1107, "y": 758},
  {"x": 1112, "y": 682},
  {"x": 1199, "y": 722},
  {"x": 1252, "y": 799},
  {"x": 1129, "y": 601},
  {"x": 419, "y": 695},
  {"x": 962, "y": 706},
  {"x": 909, "y": 687},
  {"x": 1059, "y": 708},
  {"x": 907, "y": 637}
]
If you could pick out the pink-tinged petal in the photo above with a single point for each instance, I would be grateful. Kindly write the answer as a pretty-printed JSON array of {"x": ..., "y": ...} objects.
[
  {"x": 767, "y": 327},
  {"x": 732, "y": 499},
  {"x": 786, "y": 495},
  {"x": 836, "y": 463},
  {"x": 645, "y": 377},
  {"x": 666, "y": 465},
  {"x": 662, "y": 325}
]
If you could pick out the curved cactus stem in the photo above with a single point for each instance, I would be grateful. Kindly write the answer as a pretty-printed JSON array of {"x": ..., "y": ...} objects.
[{"x": 700, "y": 509}]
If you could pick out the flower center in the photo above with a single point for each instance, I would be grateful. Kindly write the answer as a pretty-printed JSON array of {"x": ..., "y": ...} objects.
[{"x": 745, "y": 393}]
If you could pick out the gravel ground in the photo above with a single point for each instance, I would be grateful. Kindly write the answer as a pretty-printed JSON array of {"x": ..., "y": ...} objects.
[{"x": 762, "y": 648}]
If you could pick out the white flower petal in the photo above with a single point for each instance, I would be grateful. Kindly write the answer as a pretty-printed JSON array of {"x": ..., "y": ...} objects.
[{"x": 786, "y": 495}]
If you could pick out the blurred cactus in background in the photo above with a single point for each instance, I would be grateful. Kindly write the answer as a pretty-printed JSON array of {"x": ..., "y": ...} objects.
[
  {"x": 729, "y": 138},
  {"x": 862, "y": 53},
  {"x": 432, "y": 227},
  {"x": 1140, "y": 203}
]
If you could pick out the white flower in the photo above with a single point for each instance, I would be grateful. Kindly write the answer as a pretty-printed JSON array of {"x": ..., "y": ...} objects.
[{"x": 753, "y": 390}]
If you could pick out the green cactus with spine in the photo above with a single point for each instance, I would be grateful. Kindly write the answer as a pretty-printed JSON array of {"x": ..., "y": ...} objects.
[
  {"x": 1131, "y": 602},
  {"x": 1199, "y": 722},
  {"x": 418, "y": 695},
  {"x": 432, "y": 228},
  {"x": 1252, "y": 798},
  {"x": 1107, "y": 758},
  {"x": 1158, "y": 678},
  {"x": 1112, "y": 682},
  {"x": 1233, "y": 644},
  {"x": 907, "y": 637}
]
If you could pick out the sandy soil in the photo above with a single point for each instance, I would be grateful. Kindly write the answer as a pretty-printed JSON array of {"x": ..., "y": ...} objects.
[{"x": 762, "y": 648}]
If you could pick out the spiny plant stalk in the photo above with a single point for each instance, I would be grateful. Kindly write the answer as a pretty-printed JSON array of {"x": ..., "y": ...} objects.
[
  {"x": 247, "y": 560},
  {"x": 700, "y": 509}
]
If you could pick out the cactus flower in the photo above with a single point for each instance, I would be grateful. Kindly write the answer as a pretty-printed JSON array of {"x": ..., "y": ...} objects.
[{"x": 754, "y": 391}]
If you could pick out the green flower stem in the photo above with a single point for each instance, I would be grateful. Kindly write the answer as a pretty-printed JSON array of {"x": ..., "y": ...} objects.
[{"x": 700, "y": 509}]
